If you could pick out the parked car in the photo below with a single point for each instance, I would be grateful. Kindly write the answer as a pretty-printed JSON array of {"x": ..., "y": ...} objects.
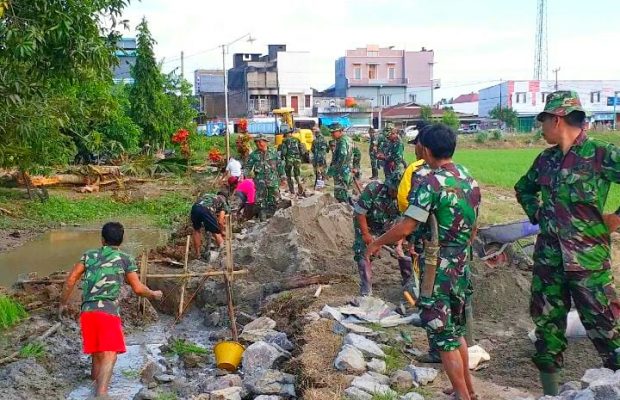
[{"x": 411, "y": 132}]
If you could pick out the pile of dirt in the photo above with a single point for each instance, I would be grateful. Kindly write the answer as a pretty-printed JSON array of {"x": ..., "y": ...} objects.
[{"x": 313, "y": 236}]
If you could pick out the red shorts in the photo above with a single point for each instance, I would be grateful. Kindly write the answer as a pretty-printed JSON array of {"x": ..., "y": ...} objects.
[{"x": 101, "y": 332}]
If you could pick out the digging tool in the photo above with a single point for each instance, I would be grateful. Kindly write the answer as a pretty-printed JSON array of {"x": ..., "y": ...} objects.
[
  {"x": 357, "y": 185},
  {"x": 431, "y": 253}
]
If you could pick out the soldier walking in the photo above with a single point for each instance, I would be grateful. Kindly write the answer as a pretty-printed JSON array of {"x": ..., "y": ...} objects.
[
  {"x": 565, "y": 192},
  {"x": 340, "y": 167},
  {"x": 373, "y": 150},
  {"x": 392, "y": 154},
  {"x": 449, "y": 195},
  {"x": 357, "y": 163},
  {"x": 265, "y": 167},
  {"x": 319, "y": 159},
  {"x": 292, "y": 151}
]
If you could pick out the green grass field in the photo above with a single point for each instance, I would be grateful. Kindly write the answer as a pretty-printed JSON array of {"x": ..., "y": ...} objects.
[{"x": 504, "y": 167}]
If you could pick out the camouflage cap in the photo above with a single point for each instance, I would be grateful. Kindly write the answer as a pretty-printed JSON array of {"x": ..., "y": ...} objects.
[
  {"x": 561, "y": 103},
  {"x": 259, "y": 137},
  {"x": 336, "y": 126}
]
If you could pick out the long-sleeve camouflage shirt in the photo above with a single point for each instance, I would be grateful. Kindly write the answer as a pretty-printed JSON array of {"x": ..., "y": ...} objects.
[
  {"x": 342, "y": 158},
  {"x": 566, "y": 195},
  {"x": 319, "y": 150},
  {"x": 394, "y": 151},
  {"x": 214, "y": 203},
  {"x": 265, "y": 167},
  {"x": 378, "y": 206},
  {"x": 357, "y": 158},
  {"x": 292, "y": 150}
]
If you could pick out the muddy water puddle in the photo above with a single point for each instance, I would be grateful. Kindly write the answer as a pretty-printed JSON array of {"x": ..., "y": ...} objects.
[{"x": 61, "y": 248}]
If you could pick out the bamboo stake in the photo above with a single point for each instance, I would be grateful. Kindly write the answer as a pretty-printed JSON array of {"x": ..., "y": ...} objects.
[
  {"x": 229, "y": 278},
  {"x": 185, "y": 272},
  {"x": 143, "y": 273}
]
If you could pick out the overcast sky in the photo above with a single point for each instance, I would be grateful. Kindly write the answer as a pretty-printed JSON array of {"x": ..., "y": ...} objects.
[{"x": 476, "y": 42}]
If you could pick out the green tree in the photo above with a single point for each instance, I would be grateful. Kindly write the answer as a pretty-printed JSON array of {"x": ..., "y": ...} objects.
[
  {"x": 505, "y": 114},
  {"x": 450, "y": 118},
  {"x": 149, "y": 107},
  {"x": 426, "y": 113},
  {"x": 181, "y": 105}
]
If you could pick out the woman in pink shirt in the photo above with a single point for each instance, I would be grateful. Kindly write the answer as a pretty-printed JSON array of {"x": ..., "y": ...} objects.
[{"x": 245, "y": 192}]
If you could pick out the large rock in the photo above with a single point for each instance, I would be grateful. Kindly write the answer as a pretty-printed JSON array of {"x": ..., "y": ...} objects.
[
  {"x": 370, "y": 385},
  {"x": 377, "y": 365},
  {"x": 231, "y": 393},
  {"x": 280, "y": 339},
  {"x": 342, "y": 328},
  {"x": 332, "y": 313},
  {"x": 148, "y": 372},
  {"x": 354, "y": 393},
  {"x": 366, "y": 346},
  {"x": 382, "y": 379},
  {"x": 422, "y": 375},
  {"x": 412, "y": 396},
  {"x": 402, "y": 380},
  {"x": 221, "y": 382},
  {"x": 570, "y": 385},
  {"x": 265, "y": 397},
  {"x": 271, "y": 382},
  {"x": 595, "y": 374},
  {"x": 261, "y": 323},
  {"x": 350, "y": 359},
  {"x": 262, "y": 355},
  {"x": 606, "y": 388}
]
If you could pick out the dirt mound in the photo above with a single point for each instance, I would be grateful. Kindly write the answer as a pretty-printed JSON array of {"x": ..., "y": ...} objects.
[{"x": 313, "y": 236}]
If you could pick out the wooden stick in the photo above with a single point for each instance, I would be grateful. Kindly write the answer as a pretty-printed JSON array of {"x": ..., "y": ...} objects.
[
  {"x": 229, "y": 277},
  {"x": 196, "y": 274},
  {"x": 182, "y": 300},
  {"x": 44, "y": 336},
  {"x": 143, "y": 273},
  {"x": 318, "y": 291}
]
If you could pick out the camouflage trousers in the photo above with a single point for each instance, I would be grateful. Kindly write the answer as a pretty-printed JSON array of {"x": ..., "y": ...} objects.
[
  {"x": 267, "y": 198},
  {"x": 443, "y": 313},
  {"x": 342, "y": 183},
  {"x": 595, "y": 299},
  {"x": 292, "y": 169},
  {"x": 374, "y": 165}
]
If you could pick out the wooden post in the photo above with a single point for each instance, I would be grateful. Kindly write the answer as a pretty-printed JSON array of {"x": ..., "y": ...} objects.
[
  {"x": 229, "y": 278},
  {"x": 185, "y": 279},
  {"x": 143, "y": 272}
]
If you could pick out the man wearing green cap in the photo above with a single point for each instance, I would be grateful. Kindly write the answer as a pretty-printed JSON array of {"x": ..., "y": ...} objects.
[
  {"x": 340, "y": 167},
  {"x": 265, "y": 167},
  {"x": 374, "y": 212},
  {"x": 565, "y": 192},
  {"x": 292, "y": 152}
]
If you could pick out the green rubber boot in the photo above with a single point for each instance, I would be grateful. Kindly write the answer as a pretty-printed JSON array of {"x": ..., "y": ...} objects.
[{"x": 550, "y": 382}]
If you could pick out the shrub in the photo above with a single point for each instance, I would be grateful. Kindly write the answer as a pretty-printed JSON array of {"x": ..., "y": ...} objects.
[
  {"x": 482, "y": 137},
  {"x": 11, "y": 312},
  {"x": 496, "y": 134}
]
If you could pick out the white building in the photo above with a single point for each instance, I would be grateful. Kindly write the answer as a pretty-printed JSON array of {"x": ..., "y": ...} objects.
[
  {"x": 465, "y": 103},
  {"x": 528, "y": 98},
  {"x": 294, "y": 76}
]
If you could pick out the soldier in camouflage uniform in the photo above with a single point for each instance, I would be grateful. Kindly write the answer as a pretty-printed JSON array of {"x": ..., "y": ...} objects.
[
  {"x": 292, "y": 151},
  {"x": 374, "y": 212},
  {"x": 209, "y": 211},
  {"x": 565, "y": 192},
  {"x": 340, "y": 167},
  {"x": 104, "y": 271},
  {"x": 392, "y": 155},
  {"x": 319, "y": 159},
  {"x": 357, "y": 163},
  {"x": 373, "y": 150},
  {"x": 265, "y": 167},
  {"x": 452, "y": 196}
]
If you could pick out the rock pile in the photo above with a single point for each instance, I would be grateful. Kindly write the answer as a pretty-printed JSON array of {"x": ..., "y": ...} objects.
[{"x": 596, "y": 384}]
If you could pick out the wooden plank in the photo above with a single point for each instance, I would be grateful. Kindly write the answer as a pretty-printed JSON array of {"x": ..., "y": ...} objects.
[
  {"x": 182, "y": 300},
  {"x": 195, "y": 274},
  {"x": 143, "y": 273}
]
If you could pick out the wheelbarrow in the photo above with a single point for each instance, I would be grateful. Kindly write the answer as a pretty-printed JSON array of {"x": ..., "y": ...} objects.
[{"x": 495, "y": 245}]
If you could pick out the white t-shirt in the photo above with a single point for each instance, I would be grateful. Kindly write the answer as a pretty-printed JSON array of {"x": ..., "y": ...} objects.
[{"x": 234, "y": 167}]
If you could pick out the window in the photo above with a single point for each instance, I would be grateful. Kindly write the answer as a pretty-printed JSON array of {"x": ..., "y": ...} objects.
[
  {"x": 413, "y": 98},
  {"x": 372, "y": 53},
  {"x": 391, "y": 71},
  {"x": 307, "y": 102},
  {"x": 543, "y": 96},
  {"x": 372, "y": 71},
  {"x": 521, "y": 97},
  {"x": 263, "y": 104},
  {"x": 357, "y": 72},
  {"x": 595, "y": 97},
  {"x": 282, "y": 101},
  {"x": 384, "y": 100}
]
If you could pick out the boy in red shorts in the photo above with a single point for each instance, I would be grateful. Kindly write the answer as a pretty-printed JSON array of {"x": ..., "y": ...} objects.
[{"x": 104, "y": 270}]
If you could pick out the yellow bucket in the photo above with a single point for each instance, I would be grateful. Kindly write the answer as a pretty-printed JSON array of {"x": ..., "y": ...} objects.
[{"x": 228, "y": 355}]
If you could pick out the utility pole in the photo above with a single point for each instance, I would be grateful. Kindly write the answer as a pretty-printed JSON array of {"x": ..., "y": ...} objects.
[
  {"x": 500, "y": 94},
  {"x": 182, "y": 66},
  {"x": 226, "y": 102},
  {"x": 555, "y": 71}
]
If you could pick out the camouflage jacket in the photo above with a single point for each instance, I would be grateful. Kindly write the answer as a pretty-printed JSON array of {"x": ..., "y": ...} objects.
[
  {"x": 373, "y": 147},
  {"x": 266, "y": 168},
  {"x": 292, "y": 149},
  {"x": 214, "y": 203},
  {"x": 357, "y": 158},
  {"x": 453, "y": 196},
  {"x": 105, "y": 270},
  {"x": 342, "y": 158},
  {"x": 319, "y": 148},
  {"x": 379, "y": 207},
  {"x": 393, "y": 151},
  {"x": 381, "y": 143},
  {"x": 566, "y": 195}
]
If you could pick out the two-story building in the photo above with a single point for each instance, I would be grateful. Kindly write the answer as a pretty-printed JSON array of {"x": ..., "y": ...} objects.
[
  {"x": 209, "y": 88},
  {"x": 386, "y": 76},
  {"x": 528, "y": 98},
  {"x": 126, "y": 53}
]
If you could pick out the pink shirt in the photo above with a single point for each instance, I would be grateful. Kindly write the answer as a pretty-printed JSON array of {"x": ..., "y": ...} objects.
[{"x": 247, "y": 188}]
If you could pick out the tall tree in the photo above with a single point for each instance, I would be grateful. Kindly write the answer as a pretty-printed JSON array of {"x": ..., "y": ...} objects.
[{"x": 149, "y": 106}]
